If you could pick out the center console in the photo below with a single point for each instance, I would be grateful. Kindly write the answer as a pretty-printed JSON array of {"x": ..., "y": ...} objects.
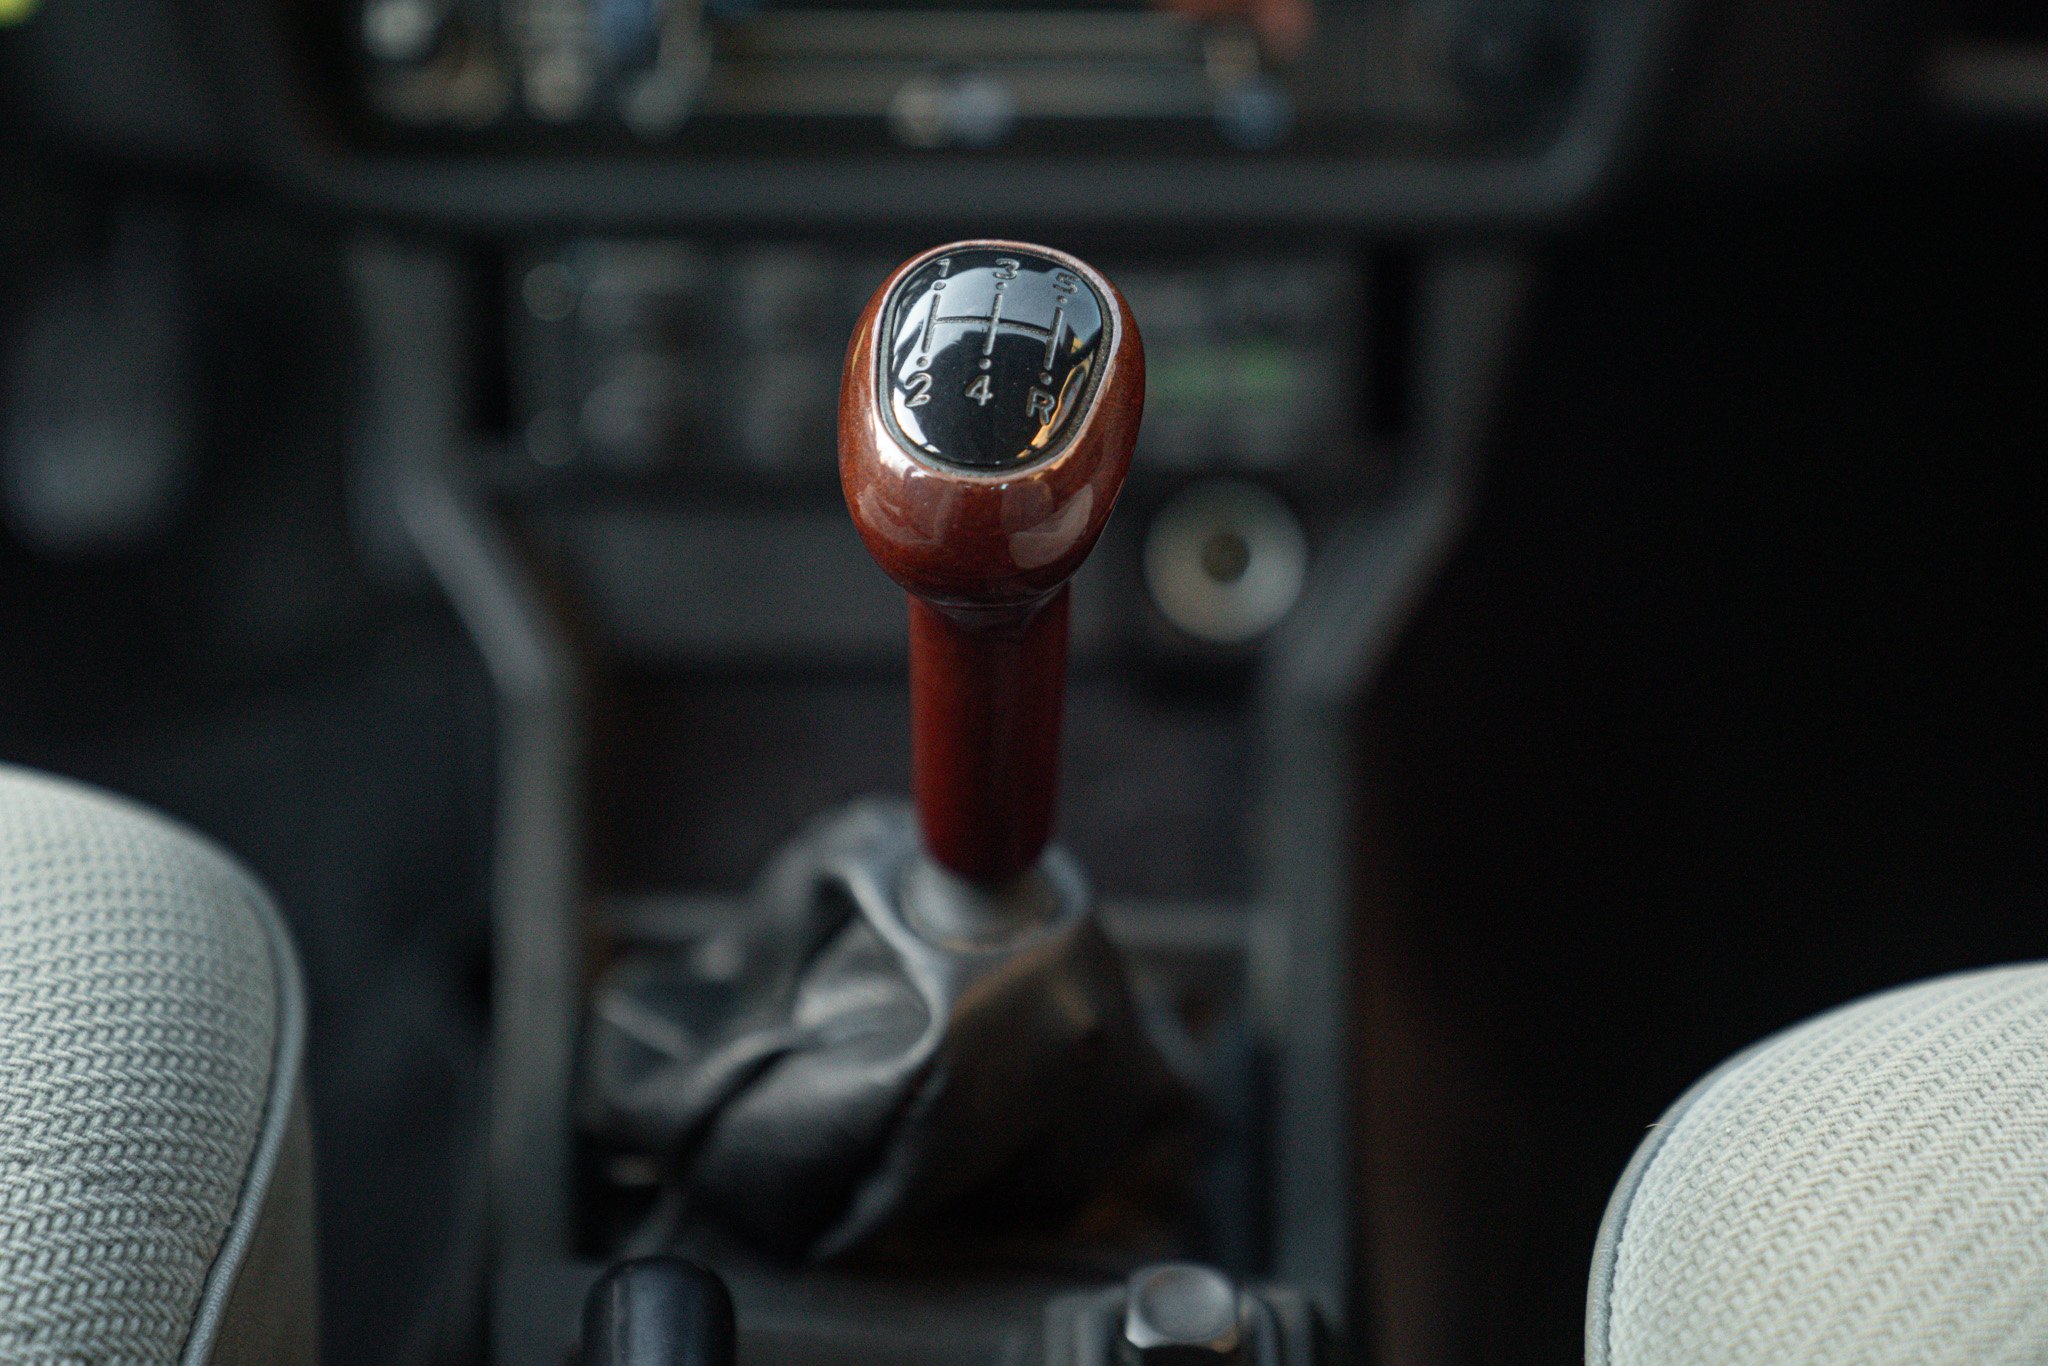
[
  {"x": 696, "y": 659},
  {"x": 607, "y": 260}
]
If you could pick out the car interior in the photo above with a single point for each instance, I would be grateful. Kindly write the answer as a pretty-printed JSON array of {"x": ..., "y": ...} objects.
[{"x": 1000, "y": 682}]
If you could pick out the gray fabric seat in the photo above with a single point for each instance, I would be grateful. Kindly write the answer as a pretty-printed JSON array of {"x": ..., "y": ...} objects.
[
  {"x": 1870, "y": 1186},
  {"x": 155, "y": 1196}
]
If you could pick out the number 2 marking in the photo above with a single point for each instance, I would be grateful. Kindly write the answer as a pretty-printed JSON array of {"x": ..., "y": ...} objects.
[{"x": 918, "y": 387}]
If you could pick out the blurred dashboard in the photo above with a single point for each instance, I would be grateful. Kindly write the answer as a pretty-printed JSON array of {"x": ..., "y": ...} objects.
[
  {"x": 1066, "y": 78},
  {"x": 579, "y": 113}
]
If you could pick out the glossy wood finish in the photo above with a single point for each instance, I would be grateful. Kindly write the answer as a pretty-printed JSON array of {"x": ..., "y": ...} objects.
[
  {"x": 986, "y": 557},
  {"x": 986, "y": 695}
]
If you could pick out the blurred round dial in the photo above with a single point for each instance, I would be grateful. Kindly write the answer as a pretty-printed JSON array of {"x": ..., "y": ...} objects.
[{"x": 991, "y": 355}]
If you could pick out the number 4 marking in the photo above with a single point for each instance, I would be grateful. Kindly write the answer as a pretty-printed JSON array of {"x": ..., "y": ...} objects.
[{"x": 981, "y": 391}]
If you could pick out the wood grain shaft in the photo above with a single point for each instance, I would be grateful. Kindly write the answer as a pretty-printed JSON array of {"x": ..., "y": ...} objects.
[{"x": 987, "y": 691}]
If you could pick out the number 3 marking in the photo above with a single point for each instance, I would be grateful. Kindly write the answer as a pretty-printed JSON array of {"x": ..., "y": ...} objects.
[{"x": 1006, "y": 269}]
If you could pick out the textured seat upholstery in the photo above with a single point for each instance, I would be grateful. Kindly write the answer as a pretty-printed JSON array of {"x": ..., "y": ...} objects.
[
  {"x": 155, "y": 1201},
  {"x": 1869, "y": 1187}
]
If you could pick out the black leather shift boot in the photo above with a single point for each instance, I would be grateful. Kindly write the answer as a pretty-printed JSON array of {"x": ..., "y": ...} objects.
[{"x": 900, "y": 1044}]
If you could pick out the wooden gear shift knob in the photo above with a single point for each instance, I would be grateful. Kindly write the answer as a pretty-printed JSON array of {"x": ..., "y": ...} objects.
[{"x": 987, "y": 413}]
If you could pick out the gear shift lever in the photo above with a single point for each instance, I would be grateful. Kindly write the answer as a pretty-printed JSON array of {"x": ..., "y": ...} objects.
[
  {"x": 986, "y": 418},
  {"x": 939, "y": 1023}
]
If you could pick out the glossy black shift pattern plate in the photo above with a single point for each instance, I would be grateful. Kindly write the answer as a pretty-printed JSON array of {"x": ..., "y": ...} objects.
[{"x": 990, "y": 355}]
